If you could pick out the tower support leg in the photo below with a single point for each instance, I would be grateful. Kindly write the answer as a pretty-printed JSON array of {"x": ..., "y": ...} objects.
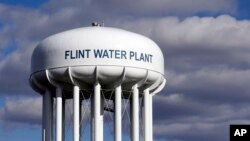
[
  {"x": 47, "y": 122},
  {"x": 134, "y": 103},
  {"x": 59, "y": 115},
  {"x": 118, "y": 114},
  {"x": 97, "y": 120},
  {"x": 76, "y": 107},
  {"x": 147, "y": 116},
  {"x": 63, "y": 118}
]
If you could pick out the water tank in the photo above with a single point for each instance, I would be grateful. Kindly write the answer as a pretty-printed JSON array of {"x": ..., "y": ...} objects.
[{"x": 86, "y": 55}]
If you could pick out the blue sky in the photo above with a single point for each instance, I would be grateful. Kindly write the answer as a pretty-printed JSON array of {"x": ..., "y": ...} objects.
[
  {"x": 25, "y": 3},
  {"x": 206, "y": 46}
]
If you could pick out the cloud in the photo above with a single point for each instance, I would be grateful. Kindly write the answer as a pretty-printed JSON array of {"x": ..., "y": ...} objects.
[
  {"x": 189, "y": 120},
  {"x": 130, "y": 8},
  {"x": 204, "y": 53},
  {"x": 207, "y": 69},
  {"x": 192, "y": 131},
  {"x": 23, "y": 112},
  {"x": 18, "y": 113},
  {"x": 23, "y": 29}
]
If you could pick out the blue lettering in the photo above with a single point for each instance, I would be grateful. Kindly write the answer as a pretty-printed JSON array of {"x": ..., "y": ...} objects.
[
  {"x": 71, "y": 55},
  {"x": 81, "y": 54},
  {"x": 105, "y": 54},
  {"x": 87, "y": 52},
  {"x": 111, "y": 53},
  {"x": 131, "y": 55},
  {"x": 150, "y": 58},
  {"x": 142, "y": 58},
  {"x": 76, "y": 54},
  {"x": 137, "y": 59},
  {"x": 98, "y": 53},
  {"x": 66, "y": 54},
  {"x": 123, "y": 54},
  {"x": 117, "y": 54}
]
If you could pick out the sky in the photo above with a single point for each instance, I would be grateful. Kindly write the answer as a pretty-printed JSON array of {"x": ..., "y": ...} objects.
[{"x": 206, "y": 45}]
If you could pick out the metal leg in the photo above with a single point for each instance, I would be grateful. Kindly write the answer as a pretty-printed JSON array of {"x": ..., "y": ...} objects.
[
  {"x": 98, "y": 117},
  {"x": 76, "y": 106},
  {"x": 147, "y": 114},
  {"x": 47, "y": 127},
  {"x": 118, "y": 114},
  {"x": 58, "y": 114},
  {"x": 135, "y": 114}
]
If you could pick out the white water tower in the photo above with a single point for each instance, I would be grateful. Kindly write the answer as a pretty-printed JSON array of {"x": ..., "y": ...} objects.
[{"x": 100, "y": 60}]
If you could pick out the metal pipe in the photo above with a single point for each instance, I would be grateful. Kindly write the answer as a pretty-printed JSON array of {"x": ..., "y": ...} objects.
[
  {"x": 80, "y": 118},
  {"x": 118, "y": 114},
  {"x": 147, "y": 114},
  {"x": 47, "y": 125},
  {"x": 63, "y": 119},
  {"x": 76, "y": 107},
  {"x": 92, "y": 119},
  {"x": 98, "y": 117},
  {"x": 58, "y": 114},
  {"x": 135, "y": 114},
  {"x": 101, "y": 118}
]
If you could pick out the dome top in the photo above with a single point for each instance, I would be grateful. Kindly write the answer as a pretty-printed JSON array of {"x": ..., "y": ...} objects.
[{"x": 97, "y": 46}]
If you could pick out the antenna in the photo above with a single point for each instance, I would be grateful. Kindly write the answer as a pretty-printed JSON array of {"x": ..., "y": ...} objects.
[{"x": 97, "y": 24}]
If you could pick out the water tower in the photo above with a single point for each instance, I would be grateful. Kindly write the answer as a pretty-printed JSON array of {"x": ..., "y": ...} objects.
[{"x": 100, "y": 60}]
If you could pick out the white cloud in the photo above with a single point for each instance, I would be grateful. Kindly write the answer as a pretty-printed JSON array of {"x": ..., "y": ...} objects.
[
  {"x": 207, "y": 32},
  {"x": 17, "y": 113}
]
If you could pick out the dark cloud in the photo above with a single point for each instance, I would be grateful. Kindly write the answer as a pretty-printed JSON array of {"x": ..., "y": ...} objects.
[
  {"x": 130, "y": 8},
  {"x": 165, "y": 7},
  {"x": 192, "y": 132},
  {"x": 14, "y": 70},
  {"x": 187, "y": 119}
]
